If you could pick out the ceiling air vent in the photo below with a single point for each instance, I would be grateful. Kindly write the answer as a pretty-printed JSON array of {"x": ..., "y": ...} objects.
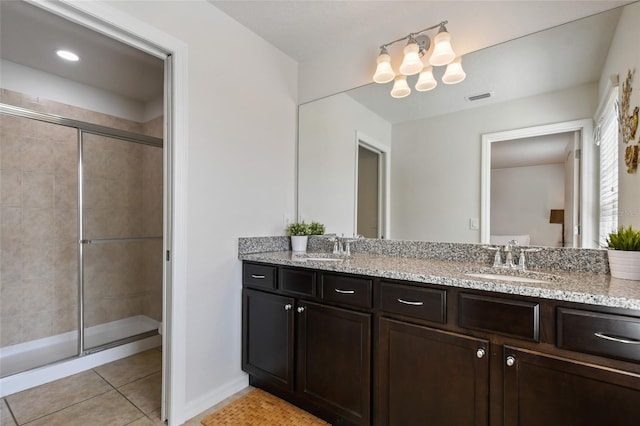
[{"x": 480, "y": 96}]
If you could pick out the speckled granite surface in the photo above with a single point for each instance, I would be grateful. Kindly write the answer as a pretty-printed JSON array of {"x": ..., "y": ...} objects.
[
  {"x": 581, "y": 287},
  {"x": 562, "y": 259}
]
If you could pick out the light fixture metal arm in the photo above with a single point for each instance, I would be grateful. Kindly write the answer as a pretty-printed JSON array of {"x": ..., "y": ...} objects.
[{"x": 384, "y": 46}]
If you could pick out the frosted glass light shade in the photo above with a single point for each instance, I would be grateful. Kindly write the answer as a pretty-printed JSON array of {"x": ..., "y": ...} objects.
[
  {"x": 384, "y": 73},
  {"x": 411, "y": 64},
  {"x": 454, "y": 73},
  {"x": 400, "y": 87},
  {"x": 426, "y": 80},
  {"x": 442, "y": 52}
]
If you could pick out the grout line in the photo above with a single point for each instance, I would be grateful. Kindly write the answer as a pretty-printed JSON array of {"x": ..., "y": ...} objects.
[
  {"x": 6, "y": 403},
  {"x": 64, "y": 408}
]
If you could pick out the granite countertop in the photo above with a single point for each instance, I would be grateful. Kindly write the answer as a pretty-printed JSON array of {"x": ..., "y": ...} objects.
[{"x": 580, "y": 287}]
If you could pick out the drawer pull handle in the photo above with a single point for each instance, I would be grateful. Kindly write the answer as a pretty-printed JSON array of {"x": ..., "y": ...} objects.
[
  {"x": 626, "y": 340},
  {"x": 409, "y": 302},
  {"x": 257, "y": 277},
  {"x": 337, "y": 290}
]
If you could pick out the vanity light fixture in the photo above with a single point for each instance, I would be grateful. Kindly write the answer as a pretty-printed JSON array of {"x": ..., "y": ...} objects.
[
  {"x": 68, "y": 55},
  {"x": 413, "y": 62}
]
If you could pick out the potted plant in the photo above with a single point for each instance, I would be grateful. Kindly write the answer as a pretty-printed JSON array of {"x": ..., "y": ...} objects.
[
  {"x": 316, "y": 228},
  {"x": 299, "y": 233},
  {"x": 624, "y": 253}
]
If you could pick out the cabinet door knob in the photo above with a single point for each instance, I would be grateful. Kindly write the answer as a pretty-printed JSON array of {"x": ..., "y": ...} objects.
[
  {"x": 511, "y": 360},
  {"x": 300, "y": 309},
  {"x": 480, "y": 353},
  {"x": 288, "y": 307}
]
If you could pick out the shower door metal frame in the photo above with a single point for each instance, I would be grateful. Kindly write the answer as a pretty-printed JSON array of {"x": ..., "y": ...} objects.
[{"x": 83, "y": 127}]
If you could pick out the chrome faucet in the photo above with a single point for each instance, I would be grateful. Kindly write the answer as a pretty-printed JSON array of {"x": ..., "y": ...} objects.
[
  {"x": 508, "y": 263},
  {"x": 338, "y": 245}
]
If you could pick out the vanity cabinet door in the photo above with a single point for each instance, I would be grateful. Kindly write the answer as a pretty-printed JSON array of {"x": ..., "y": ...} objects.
[
  {"x": 267, "y": 337},
  {"x": 334, "y": 360},
  {"x": 430, "y": 377},
  {"x": 551, "y": 391}
]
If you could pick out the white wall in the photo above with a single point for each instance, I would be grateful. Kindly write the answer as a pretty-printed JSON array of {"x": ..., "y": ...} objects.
[
  {"x": 241, "y": 177},
  {"x": 31, "y": 81},
  {"x": 624, "y": 55},
  {"x": 327, "y": 158},
  {"x": 521, "y": 200},
  {"x": 435, "y": 167}
]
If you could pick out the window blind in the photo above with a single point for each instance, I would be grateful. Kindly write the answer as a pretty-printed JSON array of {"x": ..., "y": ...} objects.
[{"x": 607, "y": 140}]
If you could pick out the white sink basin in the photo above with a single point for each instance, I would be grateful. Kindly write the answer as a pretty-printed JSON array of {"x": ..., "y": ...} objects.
[
  {"x": 316, "y": 257},
  {"x": 324, "y": 259},
  {"x": 511, "y": 278}
]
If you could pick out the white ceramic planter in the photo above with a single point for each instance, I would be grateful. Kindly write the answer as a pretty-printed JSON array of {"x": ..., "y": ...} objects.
[
  {"x": 624, "y": 264},
  {"x": 299, "y": 243}
]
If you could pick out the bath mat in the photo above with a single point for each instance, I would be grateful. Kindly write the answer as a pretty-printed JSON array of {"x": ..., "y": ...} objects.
[{"x": 259, "y": 408}]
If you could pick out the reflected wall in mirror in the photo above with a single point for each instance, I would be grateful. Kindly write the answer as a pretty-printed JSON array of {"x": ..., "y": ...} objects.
[{"x": 434, "y": 138}]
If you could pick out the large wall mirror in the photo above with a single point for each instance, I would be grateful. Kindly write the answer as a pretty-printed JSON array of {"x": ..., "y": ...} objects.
[{"x": 430, "y": 168}]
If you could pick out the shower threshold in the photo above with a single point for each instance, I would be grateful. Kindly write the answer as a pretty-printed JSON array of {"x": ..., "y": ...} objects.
[{"x": 37, "y": 353}]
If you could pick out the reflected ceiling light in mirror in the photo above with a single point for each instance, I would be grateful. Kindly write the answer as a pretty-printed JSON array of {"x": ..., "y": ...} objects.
[
  {"x": 426, "y": 81},
  {"x": 454, "y": 73},
  {"x": 400, "y": 87},
  {"x": 443, "y": 53},
  {"x": 417, "y": 47}
]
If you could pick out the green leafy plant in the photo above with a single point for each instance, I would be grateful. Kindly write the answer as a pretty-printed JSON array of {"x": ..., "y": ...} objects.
[
  {"x": 626, "y": 239},
  {"x": 316, "y": 228},
  {"x": 298, "y": 229}
]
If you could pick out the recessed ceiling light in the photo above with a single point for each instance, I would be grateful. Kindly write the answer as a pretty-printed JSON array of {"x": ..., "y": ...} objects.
[{"x": 69, "y": 56}]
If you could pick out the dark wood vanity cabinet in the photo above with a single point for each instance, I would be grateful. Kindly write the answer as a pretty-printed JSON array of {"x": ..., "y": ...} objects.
[
  {"x": 540, "y": 389},
  {"x": 428, "y": 376},
  {"x": 311, "y": 353},
  {"x": 358, "y": 350},
  {"x": 268, "y": 337},
  {"x": 334, "y": 360}
]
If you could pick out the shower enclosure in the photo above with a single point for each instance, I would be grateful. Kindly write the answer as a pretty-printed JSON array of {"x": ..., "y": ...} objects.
[{"x": 81, "y": 238}]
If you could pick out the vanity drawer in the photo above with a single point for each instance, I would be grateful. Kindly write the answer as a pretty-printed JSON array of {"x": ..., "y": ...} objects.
[
  {"x": 497, "y": 315},
  {"x": 350, "y": 290},
  {"x": 298, "y": 281},
  {"x": 257, "y": 275},
  {"x": 615, "y": 336},
  {"x": 424, "y": 303}
]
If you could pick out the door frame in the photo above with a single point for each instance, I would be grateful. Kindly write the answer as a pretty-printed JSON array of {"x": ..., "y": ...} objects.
[
  {"x": 384, "y": 182},
  {"x": 113, "y": 23},
  {"x": 587, "y": 167}
]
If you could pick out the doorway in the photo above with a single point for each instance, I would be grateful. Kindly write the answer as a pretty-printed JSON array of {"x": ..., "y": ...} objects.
[
  {"x": 372, "y": 188},
  {"x": 153, "y": 235},
  {"x": 576, "y": 184}
]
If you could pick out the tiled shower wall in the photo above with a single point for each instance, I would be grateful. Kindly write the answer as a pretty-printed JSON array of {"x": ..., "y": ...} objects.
[{"x": 38, "y": 216}]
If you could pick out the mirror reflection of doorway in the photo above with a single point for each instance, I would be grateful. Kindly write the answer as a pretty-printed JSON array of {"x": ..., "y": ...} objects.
[{"x": 369, "y": 197}]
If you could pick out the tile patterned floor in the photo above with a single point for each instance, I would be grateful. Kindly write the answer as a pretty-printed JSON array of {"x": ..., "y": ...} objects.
[{"x": 124, "y": 392}]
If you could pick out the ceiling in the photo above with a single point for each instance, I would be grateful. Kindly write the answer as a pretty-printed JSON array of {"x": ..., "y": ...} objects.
[
  {"x": 307, "y": 29},
  {"x": 304, "y": 29},
  {"x": 30, "y": 36}
]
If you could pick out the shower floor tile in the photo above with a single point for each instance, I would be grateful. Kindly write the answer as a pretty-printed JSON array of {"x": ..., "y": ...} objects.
[
  {"x": 110, "y": 408},
  {"x": 132, "y": 368},
  {"x": 34, "y": 403},
  {"x": 5, "y": 415},
  {"x": 146, "y": 393},
  {"x": 88, "y": 398}
]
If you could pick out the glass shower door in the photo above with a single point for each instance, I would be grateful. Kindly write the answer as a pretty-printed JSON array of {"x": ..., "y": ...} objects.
[
  {"x": 38, "y": 244},
  {"x": 121, "y": 240}
]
